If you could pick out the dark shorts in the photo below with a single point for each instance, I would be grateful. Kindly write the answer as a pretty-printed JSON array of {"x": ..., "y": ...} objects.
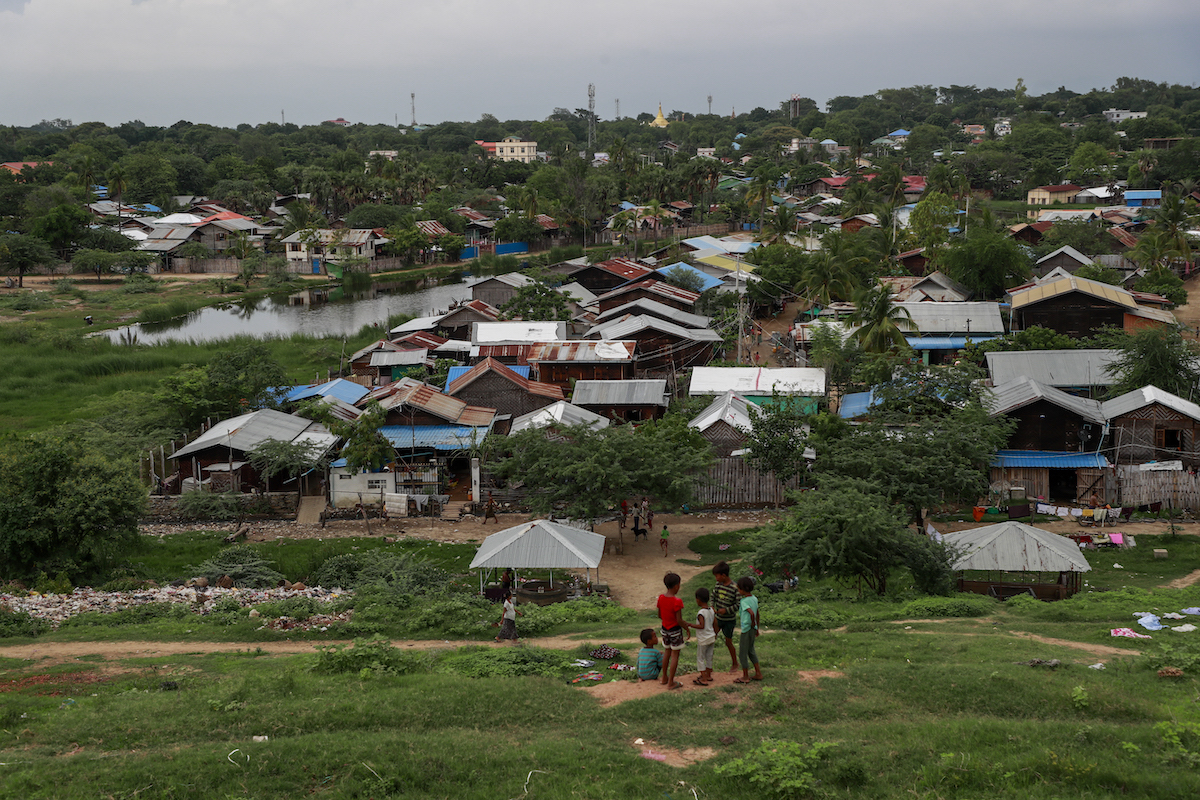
[
  {"x": 726, "y": 626},
  {"x": 672, "y": 638}
]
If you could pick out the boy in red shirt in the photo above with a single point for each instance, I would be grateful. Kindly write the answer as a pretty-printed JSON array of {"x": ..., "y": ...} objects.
[{"x": 670, "y": 613}]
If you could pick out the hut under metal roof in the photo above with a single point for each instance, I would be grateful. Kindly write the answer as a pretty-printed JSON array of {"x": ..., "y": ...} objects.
[
  {"x": 540, "y": 544},
  {"x": 1014, "y": 547}
]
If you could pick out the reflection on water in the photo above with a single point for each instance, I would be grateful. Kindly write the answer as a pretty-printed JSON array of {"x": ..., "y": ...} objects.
[{"x": 330, "y": 311}]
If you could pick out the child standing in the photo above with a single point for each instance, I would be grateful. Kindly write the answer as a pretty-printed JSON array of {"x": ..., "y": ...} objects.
[
  {"x": 749, "y": 620},
  {"x": 670, "y": 613},
  {"x": 650, "y": 660},
  {"x": 726, "y": 601},
  {"x": 706, "y": 638},
  {"x": 662, "y": 539},
  {"x": 508, "y": 619}
]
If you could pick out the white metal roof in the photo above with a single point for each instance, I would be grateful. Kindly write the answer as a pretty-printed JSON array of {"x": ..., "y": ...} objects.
[
  {"x": 730, "y": 408},
  {"x": 1015, "y": 547},
  {"x": 517, "y": 332},
  {"x": 633, "y": 392},
  {"x": 540, "y": 544},
  {"x": 1139, "y": 398},
  {"x": 246, "y": 432},
  {"x": 626, "y": 326},
  {"x": 1023, "y": 391},
  {"x": 418, "y": 324},
  {"x": 948, "y": 318},
  {"x": 758, "y": 381},
  {"x": 560, "y": 412}
]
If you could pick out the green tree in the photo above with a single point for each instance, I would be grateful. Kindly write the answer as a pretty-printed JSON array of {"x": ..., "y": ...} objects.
[
  {"x": 1089, "y": 163},
  {"x": 1157, "y": 356},
  {"x": 20, "y": 253},
  {"x": 775, "y": 442},
  {"x": 986, "y": 261},
  {"x": 64, "y": 506},
  {"x": 452, "y": 245},
  {"x": 685, "y": 279},
  {"x": 97, "y": 261},
  {"x": 277, "y": 457},
  {"x": 232, "y": 383},
  {"x": 853, "y": 534},
  {"x": 536, "y": 301},
  {"x": 882, "y": 322},
  {"x": 931, "y": 220}
]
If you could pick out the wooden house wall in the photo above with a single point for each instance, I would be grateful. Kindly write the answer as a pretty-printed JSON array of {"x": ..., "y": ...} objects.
[
  {"x": 626, "y": 413},
  {"x": 459, "y": 326},
  {"x": 674, "y": 353},
  {"x": 644, "y": 294},
  {"x": 401, "y": 416},
  {"x": 734, "y": 482},
  {"x": 596, "y": 280},
  {"x": 1172, "y": 489},
  {"x": 1075, "y": 314},
  {"x": 1061, "y": 260},
  {"x": 493, "y": 292},
  {"x": 493, "y": 391},
  {"x": 1153, "y": 433},
  {"x": 363, "y": 369},
  {"x": 1045, "y": 426},
  {"x": 916, "y": 265},
  {"x": 1036, "y": 480},
  {"x": 724, "y": 438},
  {"x": 562, "y": 373}
]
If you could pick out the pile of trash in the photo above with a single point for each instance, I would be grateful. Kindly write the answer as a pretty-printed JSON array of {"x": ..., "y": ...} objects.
[{"x": 54, "y": 608}]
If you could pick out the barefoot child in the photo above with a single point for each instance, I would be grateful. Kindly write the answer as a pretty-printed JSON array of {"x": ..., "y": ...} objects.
[
  {"x": 508, "y": 619},
  {"x": 663, "y": 539},
  {"x": 725, "y": 607},
  {"x": 670, "y": 613},
  {"x": 650, "y": 660},
  {"x": 749, "y": 614},
  {"x": 706, "y": 638}
]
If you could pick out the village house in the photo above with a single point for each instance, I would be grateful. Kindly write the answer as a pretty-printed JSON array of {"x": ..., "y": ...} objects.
[
  {"x": 660, "y": 344},
  {"x": 634, "y": 400},
  {"x": 725, "y": 423},
  {"x": 562, "y": 363},
  {"x": 329, "y": 245},
  {"x": 1048, "y": 195},
  {"x": 1150, "y": 424},
  {"x": 1083, "y": 372},
  {"x": 494, "y": 385},
  {"x": 650, "y": 289},
  {"x": 1080, "y": 308}
]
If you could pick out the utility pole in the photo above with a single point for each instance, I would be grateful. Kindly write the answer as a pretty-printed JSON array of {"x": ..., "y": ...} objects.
[
  {"x": 618, "y": 110},
  {"x": 591, "y": 116},
  {"x": 710, "y": 105},
  {"x": 413, "y": 97}
]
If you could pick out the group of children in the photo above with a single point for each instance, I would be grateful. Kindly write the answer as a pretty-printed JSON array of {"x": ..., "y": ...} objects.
[
  {"x": 731, "y": 604},
  {"x": 644, "y": 511}
]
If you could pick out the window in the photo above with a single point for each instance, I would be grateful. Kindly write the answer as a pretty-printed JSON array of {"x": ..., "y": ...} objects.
[{"x": 377, "y": 483}]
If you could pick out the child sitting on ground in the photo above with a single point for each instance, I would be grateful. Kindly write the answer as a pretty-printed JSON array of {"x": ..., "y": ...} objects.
[
  {"x": 649, "y": 662},
  {"x": 706, "y": 638}
]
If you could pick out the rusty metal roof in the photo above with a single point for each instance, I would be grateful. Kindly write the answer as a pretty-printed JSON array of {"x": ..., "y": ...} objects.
[
  {"x": 604, "y": 351},
  {"x": 518, "y": 351},
  {"x": 661, "y": 288},
  {"x": 432, "y": 228},
  {"x": 630, "y": 270},
  {"x": 421, "y": 340},
  {"x": 492, "y": 365},
  {"x": 409, "y": 392}
]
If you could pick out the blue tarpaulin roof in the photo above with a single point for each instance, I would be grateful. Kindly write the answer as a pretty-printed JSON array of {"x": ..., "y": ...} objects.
[
  {"x": 709, "y": 282},
  {"x": 1048, "y": 458},
  {"x": 856, "y": 404},
  {"x": 943, "y": 342},
  {"x": 339, "y": 388},
  {"x": 457, "y": 372},
  {"x": 443, "y": 438}
]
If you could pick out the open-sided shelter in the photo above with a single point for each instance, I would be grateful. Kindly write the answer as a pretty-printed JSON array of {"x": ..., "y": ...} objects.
[
  {"x": 540, "y": 544},
  {"x": 1012, "y": 558}
]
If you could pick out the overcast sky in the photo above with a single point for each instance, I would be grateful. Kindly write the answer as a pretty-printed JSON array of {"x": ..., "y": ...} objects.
[{"x": 226, "y": 62}]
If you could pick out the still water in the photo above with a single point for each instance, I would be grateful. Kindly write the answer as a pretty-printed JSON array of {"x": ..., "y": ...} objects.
[{"x": 317, "y": 312}]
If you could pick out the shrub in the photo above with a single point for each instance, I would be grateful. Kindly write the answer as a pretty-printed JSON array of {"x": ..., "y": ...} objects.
[
  {"x": 490, "y": 662},
  {"x": 31, "y": 301},
  {"x": 137, "y": 615},
  {"x": 1183, "y": 655},
  {"x": 960, "y": 606},
  {"x": 778, "y": 768},
  {"x": 199, "y": 504},
  {"x": 139, "y": 283},
  {"x": 243, "y": 564},
  {"x": 19, "y": 623},
  {"x": 540, "y": 619},
  {"x": 374, "y": 656},
  {"x": 404, "y": 573},
  {"x": 293, "y": 607}
]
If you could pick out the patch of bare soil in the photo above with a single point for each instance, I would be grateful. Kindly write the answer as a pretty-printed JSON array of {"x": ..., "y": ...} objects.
[
  {"x": 1190, "y": 579},
  {"x": 1093, "y": 649},
  {"x": 671, "y": 756},
  {"x": 812, "y": 676}
]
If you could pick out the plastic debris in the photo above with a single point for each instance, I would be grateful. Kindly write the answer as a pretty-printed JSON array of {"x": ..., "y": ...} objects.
[
  {"x": 1128, "y": 633},
  {"x": 653, "y": 756},
  {"x": 1096, "y": 666}
]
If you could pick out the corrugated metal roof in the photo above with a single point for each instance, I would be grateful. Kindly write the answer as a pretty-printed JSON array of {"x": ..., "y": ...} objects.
[
  {"x": 540, "y": 544},
  {"x": 382, "y": 345},
  {"x": 632, "y": 325},
  {"x": 1045, "y": 291},
  {"x": 633, "y": 392},
  {"x": 246, "y": 432},
  {"x": 518, "y": 351},
  {"x": 432, "y": 228},
  {"x": 338, "y": 388},
  {"x": 1024, "y": 390},
  {"x": 421, "y": 340},
  {"x": 562, "y": 413},
  {"x": 399, "y": 358},
  {"x": 760, "y": 381},
  {"x": 645, "y": 305},
  {"x": 407, "y": 391},
  {"x": 443, "y": 438},
  {"x": 1067, "y": 250},
  {"x": 1048, "y": 458},
  {"x": 708, "y": 281},
  {"x": 416, "y": 325},
  {"x": 1058, "y": 368},
  {"x": 582, "y": 351},
  {"x": 1015, "y": 547},
  {"x": 577, "y": 293},
  {"x": 454, "y": 373},
  {"x": 661, "y": 288},
  {"x": 960, "y": 318},
  {"x": 522, "y": 382},
  {"x": 471, "y": 306},
  {"x": 730, "y": 408},
  {"x": 856, "y": 404},
  {"x": 1156, "y": 314},
  {"x": 514, "y": 279},
  {"x": 623, "y": 267},
  {"x": 1140, "y": 398},
  {"x": 944, "y": 342},
  {"x": 517, "y": 332}
]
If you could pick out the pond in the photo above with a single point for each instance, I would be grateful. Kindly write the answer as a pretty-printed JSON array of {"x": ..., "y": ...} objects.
[{"x": 330, "y": 311}]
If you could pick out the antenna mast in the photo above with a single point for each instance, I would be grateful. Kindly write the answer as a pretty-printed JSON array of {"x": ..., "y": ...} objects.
[
  {"x": 413, "y": 97},
  {"x": 591, "y": 116},
  {"x": 710, "y": 105},
  {"x": 618, "y": 111}
]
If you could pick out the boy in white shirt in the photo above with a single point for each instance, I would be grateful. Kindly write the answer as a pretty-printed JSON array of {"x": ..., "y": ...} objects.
[{"x": 706, "y": 638}]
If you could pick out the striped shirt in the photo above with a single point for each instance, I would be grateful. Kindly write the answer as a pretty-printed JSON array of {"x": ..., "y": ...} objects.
[
  {"x": 725, "y": 601},
  {"x": 649, "y": 663}
]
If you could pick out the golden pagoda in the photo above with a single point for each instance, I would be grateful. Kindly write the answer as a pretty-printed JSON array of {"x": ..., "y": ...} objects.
[{"x": 660, "y": 121}]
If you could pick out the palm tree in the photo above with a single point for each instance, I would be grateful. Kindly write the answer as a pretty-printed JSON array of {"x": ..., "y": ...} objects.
[
  {"x": 1155, "y": 249},
  {"x": 779, "y": 225},
  {"x": 117, "y": 185},
  {"x": 829, "y": 274},
  {"x": 626, "y": 223},
  {"x": 1146, "y": 162},
  {"x": 87, "y": 175},
  {"x": 759, "y": 192},
  {"x": 1173, "y": 220},
  {"x": 655, "y": 212},
  {"x": 882, "y": 322},
  {"x": 858, "y": 199}
]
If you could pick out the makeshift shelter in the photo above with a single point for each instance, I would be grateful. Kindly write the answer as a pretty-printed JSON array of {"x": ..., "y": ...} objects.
[
  {"x": 1012, "y": 557},
  {"x": 540, "y": 544}
]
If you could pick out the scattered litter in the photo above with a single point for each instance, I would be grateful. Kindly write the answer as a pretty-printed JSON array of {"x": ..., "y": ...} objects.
[
  {"x": 606, "y": 652},
  {"x": 1096, "y": 666},
  {"x": 724, "y": 546},
  {"x": 1117, "y": 566},
  {"x": 1053, "y": 663},
  {"x": 639, "y": 740},
  {"x": 622, "y": 667},
  {"x": 1173, "y": 615},
  {"x": 653, "y": 755},
  {"x": 1128, "y": 633},
  {"x": 582, "y": 662},
  {"x": 588, "y": 676},
  {"x": 1184, "y": 628},
  {"x": 238, "y": 750},
  {"x": 259, "y": 738},
  {"x": 1193, "y": 610},
  {"x": 1148, "y": 621}
]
